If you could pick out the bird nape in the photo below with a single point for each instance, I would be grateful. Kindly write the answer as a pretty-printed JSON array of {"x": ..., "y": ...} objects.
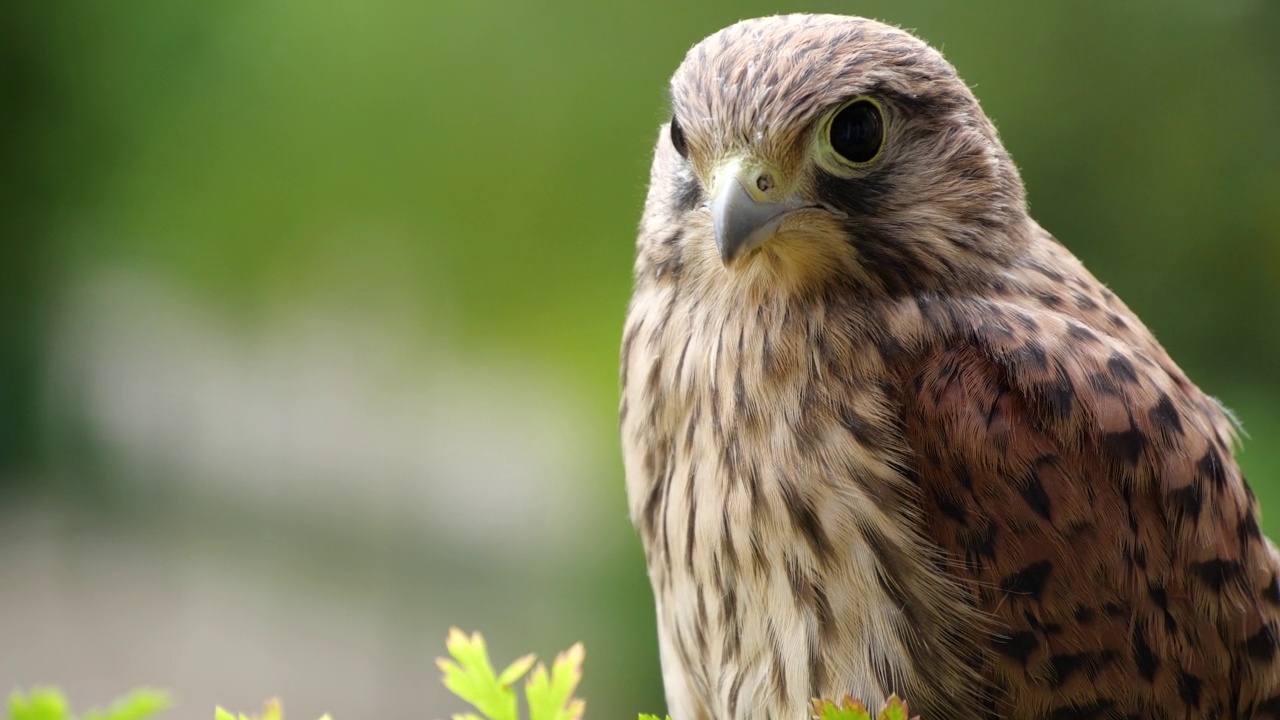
[{"x": 883, "y": 433}]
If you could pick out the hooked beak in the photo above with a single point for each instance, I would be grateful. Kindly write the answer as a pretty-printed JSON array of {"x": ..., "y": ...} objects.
[{"x": 743, "y": 214}]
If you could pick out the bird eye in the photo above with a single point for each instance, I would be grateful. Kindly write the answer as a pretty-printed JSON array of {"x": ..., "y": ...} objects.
[
  {"x": 677, "y": 138},
  {"x": 857, "y": 131}
]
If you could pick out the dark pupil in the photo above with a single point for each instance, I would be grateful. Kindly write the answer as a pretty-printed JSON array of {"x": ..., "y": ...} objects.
[
  {"x": 857, "y": 132},
  {"x": 677, "y": 138}
]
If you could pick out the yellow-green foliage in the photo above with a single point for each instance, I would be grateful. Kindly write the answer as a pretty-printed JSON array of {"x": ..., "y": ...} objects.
[
  {"x": 548, "y": 695},
  {"x": 50, "y": 704},
  {"x": 849, "y": 709},
  {"x": 472, "y": 677},
  {"x": 468, "y": 674},
  {"x": 273, "y": 710}
]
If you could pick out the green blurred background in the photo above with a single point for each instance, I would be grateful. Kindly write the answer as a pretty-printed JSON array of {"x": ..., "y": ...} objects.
[{"x": 309, "y": 311}]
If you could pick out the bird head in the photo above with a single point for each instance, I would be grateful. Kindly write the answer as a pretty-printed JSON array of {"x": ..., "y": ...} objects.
[{"x": 809, "y": 147}]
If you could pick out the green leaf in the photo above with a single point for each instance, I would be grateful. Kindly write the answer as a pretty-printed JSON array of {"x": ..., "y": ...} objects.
[
  {"x": 134, "y": 706},
  {"x": 651, "y": 717},
  {"x": 516, "y": 670},
  {"x": 848, "y": 709},
  {"x": 472, "y": 678},
  {"x": 271, "y": 710},
  {"x": 39, "y": 704},
  {"x": 895, "y": 709},
  {"x": 550, "y": 696}
]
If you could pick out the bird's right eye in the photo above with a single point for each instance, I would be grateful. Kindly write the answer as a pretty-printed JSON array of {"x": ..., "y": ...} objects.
[{"x": 678, "y": 140}]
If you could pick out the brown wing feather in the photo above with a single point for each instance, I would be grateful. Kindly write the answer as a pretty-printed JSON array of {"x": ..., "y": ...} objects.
[{"x": 1091, "y": 504}]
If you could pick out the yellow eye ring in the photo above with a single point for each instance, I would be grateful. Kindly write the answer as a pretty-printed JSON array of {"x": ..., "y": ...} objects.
[{"x": 855, "y": 132}]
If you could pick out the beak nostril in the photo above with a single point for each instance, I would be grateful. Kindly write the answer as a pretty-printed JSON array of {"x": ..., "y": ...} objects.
[{"x": 764, "y": 182}]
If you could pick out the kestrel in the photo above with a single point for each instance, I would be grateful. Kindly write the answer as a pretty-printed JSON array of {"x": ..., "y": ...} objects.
[{"x": 884, "y": 434}]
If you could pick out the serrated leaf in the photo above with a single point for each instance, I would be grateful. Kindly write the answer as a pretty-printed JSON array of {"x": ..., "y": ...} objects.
[
  {"x": 38, "y": 704},
  {"x": 895, "y": 708},
  {"x": 550, "y": 695},
  {"x": 516, "y": 670},
  {"x": 472, "y": 677},
  {"x": 272, "y": 710},
  {"x": 848, "y": 709},
  {"x": 134, "y": 706}
]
